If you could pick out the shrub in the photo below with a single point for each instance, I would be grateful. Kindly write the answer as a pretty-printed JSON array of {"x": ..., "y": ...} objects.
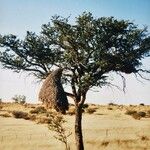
[
  {"x": 38, "y": 110},
  {"x": 135, "y": 114},
  {"x": 141, "y": 104},
  {"x": 109, "y": 108},
  {"x": 105, "y": 143},
  {"x": 144, "y": 138},
  {"x": 90, "y": 110},
  {"x": 142, "y": 114},
  {"x": 85, "y": 106},
  {"x": 5, "y": 115},
  {"x": 112, "y": 104},
  {"x": 56, "y": 125},
  {"x": 130, "y": 112},
  {"x": 20, "y": 114}
]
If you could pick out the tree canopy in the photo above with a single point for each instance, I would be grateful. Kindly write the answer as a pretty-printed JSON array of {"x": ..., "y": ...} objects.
[{"x": 88, "y": 50}]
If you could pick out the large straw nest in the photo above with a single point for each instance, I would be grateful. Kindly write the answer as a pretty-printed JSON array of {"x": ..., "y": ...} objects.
[{"x": 52, "y": 93}]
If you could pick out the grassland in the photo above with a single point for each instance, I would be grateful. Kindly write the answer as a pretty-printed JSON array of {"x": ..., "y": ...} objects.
[{"x": 106, "y": 128}]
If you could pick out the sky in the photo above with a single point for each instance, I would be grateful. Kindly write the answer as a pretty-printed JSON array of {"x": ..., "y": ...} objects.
[{"x": 19, "y": 16}]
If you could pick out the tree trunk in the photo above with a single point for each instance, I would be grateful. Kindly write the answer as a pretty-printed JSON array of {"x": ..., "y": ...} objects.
[{"x": 78, "y": 128}]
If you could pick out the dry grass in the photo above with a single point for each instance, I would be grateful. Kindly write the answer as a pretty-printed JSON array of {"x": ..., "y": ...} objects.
[
  {"x": 38, "y": 110},
  {"x": 5, "y": 115},
  {"x": 113, "y": 130},
  {"x": 91, "y": 110},
  {"x": 135, "y": 114},
  {"x": 71, "y": 111}
]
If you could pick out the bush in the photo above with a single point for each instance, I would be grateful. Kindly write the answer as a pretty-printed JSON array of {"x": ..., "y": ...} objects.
[
  {"x": 91, "y": 110},
  {"x": 85, "y": 106},
  {"x": 135, "y": 114},
  {"x": 20, "y": 114},
  {"x": 142, "y": 114},
  {"x": 38, "y": 110},
  {"x": 112, "y": 104},
  {"x": 109, "y": 108},
  {"x": 130, "y": 112},
  {"x": 144, "y": 138},
  {"x": 141, "y": 104}
]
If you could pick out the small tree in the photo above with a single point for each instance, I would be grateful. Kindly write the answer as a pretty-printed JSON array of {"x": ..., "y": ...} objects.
[
  {"x": 88, "y": 51},
  {"x": 56, "y": 124},
  {"x": 21, "y": 99}
]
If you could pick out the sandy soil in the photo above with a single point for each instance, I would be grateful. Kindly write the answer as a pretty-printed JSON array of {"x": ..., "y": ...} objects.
[{"x": 105, "y": 129}]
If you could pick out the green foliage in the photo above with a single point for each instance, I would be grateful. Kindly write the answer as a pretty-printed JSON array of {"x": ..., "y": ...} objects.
[{"x": 88, "y": 50}]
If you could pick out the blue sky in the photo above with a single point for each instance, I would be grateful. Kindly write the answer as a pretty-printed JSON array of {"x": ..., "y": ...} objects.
[{"x": 18, "y": 16}]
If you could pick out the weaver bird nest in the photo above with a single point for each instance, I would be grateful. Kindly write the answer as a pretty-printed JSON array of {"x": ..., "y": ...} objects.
[{"x": 52, "y": 93}]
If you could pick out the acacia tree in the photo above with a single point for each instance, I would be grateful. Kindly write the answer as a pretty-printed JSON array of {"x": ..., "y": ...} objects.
[{"x": 88, "y": 51}]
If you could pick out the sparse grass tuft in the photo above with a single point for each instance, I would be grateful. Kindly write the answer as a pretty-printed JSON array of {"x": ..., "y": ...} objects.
[
  {"x": 148, "y": 114},
  {"x": 32, "y": 117},
  {"x": 71, "y": 111},
  {"x": 38, "y": 110},
  {"x": 144, "y": 138},
  {"x": 136, "y": 116},
  {"x": 130, "y": 112},
  {"x": 6, "y": 115},
  {"x": 105, "y": 143},
  {"x": 91, "y": 110},
  {"x": 110, "y": 108},
  {"x": 43, "y": 120}
]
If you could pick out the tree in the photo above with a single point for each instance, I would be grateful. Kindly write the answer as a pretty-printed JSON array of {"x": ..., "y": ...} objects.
[{"x": 87, "y": 51}]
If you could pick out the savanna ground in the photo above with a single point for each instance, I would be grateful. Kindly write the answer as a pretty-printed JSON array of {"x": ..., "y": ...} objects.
[{"x": 108, "y": 128}]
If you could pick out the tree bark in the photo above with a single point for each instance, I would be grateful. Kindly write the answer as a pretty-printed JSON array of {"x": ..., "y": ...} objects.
[{"x": 78, "y": 128}]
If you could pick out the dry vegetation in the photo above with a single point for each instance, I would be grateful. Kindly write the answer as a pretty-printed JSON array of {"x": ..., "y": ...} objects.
[{"x": 109, "y": 127}]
